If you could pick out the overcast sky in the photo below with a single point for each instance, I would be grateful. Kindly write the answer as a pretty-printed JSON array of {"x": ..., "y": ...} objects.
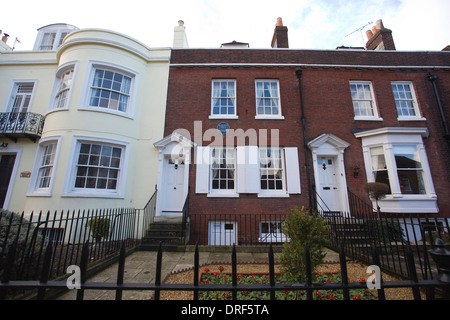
[{"x": 312, "y": 24}]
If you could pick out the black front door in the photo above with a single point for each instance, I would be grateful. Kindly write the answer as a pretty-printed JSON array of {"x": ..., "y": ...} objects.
[{"x": 6, "y": 168}]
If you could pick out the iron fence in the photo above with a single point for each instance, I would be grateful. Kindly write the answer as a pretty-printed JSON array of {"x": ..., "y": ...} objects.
[
  {"x": 309, "y": 288},
  {"x": 66, "y": 232},
  {"x": 239, "y": 229}
]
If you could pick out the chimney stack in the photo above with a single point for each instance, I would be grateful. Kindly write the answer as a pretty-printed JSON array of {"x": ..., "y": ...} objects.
[
  {"x": 5, "y": 37},
  {"x": 280, "y": 36},
  {"x": 179, "y": 37},
  {"x": 379, "y": 38}
]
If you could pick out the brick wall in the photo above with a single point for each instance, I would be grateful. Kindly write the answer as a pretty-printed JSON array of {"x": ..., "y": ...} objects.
[{"x": 326, "y": 101}]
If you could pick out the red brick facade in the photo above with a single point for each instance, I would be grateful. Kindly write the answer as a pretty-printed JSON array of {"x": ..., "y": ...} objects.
[{"x": 327, "y": 109}]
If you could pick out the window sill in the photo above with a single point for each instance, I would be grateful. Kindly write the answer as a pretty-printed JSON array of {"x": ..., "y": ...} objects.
[
  {"x": 409, "y": 203},
  {"x": 359, "y": 118},
  {"x": 263, "y": 117},
  {"x": 56, "y": 110},
  {"x": 92, "y": 194},
  {"x": 223, "y": 195},
  {"x": 107, "y": 111},
  {"x": 411, "y": 119},
  {"x": 228, "y": 117},
  {"x": 39, "y": 193},
  {"x": 275, "y": 194}
]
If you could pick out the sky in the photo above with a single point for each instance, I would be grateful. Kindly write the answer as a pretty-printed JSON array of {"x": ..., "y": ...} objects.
[{"x": 312, "y": 24}]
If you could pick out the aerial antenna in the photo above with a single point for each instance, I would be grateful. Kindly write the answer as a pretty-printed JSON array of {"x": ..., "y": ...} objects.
[
  {"x": 14, "y": 46},
  {"x": 360, "y": 30}
]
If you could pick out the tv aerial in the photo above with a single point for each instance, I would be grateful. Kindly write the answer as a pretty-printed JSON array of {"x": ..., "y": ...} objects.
[{"x": 360, "y": 30}]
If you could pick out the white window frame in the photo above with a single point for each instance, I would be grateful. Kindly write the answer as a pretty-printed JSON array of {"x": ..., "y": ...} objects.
[
  {"x": 413, "y": 100},
  {"x": 388, "y": 138},
  {"x": 275, "y": 233},
  {"x": 278, "y": 116},
  {"x": 13, "y": 92},
  {"x": 233, "y": 97},
  {"x": 70, "y": 190},
  {"x": 59, "y": 33},
  {"x": 58, "y": 89},
  {"x": 248, "y": 173},
  {"x": 375, "y": 115},
  {"x": 34, "y": 189},
  {"x": 222, "y": 192},
  {"x": 88, "y": 88},
  {"x": 272, "y": 192}
]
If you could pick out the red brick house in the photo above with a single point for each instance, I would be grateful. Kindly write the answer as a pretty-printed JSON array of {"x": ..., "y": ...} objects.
[{"x": 251, "y": 133}]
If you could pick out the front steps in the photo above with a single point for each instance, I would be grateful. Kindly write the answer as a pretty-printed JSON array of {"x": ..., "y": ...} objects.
[{"x": 170, "y": 233}]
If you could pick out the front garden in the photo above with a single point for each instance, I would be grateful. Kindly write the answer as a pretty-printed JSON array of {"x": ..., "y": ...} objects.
[{"x": 220, "y": 277}]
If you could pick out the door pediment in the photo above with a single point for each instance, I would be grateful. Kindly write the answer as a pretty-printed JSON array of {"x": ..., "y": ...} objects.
[{"x": 328, "y": 141}]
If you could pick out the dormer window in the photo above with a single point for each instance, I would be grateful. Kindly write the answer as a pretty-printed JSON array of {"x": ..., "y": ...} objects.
[{"x": 51, "y": 37}]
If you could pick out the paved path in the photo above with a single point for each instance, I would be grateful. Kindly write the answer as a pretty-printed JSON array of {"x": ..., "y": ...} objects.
[{"x": 140, "y": 267}]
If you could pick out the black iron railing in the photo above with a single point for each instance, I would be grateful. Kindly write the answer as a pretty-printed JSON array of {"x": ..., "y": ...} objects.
[
  {"x": 66, "y": 232},
  {"x": 81, "y": 284},
  {"x": 21, "y": 124}
]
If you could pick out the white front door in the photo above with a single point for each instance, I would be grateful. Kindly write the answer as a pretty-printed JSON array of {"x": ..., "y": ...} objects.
[
  {"x": 328, "y": 186},
  {"x": 222, "y": 233},
  {"x": 173, "y": 189}
]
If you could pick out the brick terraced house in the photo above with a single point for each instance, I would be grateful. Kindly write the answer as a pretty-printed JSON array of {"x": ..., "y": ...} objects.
[{"x": 251, "y": 133}]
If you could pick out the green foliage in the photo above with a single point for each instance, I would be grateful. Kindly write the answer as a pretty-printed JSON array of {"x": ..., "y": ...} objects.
[
  {"x": 384, "y": 231},
  {"x": 99, "y": 228},
  {"x": 13, "y": 227},
  {"x": 302, "y": 227}
]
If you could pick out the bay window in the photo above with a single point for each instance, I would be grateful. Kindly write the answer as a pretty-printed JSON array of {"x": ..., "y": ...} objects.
[
  {"x": 98, "y": 168},
  {"x": 397, "y": 157}
]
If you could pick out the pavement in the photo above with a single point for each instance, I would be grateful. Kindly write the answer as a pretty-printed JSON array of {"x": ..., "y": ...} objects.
[{"x": 140, "y": 267}]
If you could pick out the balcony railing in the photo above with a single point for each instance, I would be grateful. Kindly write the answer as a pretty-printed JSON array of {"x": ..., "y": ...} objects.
[{"x": 16, "y": 125}]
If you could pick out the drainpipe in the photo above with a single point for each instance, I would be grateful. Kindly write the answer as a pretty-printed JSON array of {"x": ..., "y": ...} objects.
[
  {"x": 305, "y": 141},
  {"x": 433, "y": 78}
]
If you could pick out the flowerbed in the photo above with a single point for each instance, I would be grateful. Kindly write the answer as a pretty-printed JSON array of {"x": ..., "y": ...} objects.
[{"x": 220, "y": 277}]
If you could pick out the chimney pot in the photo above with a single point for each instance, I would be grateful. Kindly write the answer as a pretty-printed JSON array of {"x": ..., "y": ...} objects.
[
  {"x": 180, "y": 23},
  {"x": 369, "y": 34},
  {"x": 5, "y": 37},
  {"x": 379, "y": 24},
  {"x": 279, "y": 22},
  {"x": 374, "y": 30}
]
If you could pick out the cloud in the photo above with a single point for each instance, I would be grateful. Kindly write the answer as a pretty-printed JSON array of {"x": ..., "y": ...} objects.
[{"x": 315, "y": 24}]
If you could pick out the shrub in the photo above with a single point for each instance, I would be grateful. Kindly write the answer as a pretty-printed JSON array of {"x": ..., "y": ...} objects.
[
  {"x": 28, "y": 240},
  {"x": 302, "y": 227},
  {"x": 384, "y": 231},
  {"x": 99, "y": 228}
]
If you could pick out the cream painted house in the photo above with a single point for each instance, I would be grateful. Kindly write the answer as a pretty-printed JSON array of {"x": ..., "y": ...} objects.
[{"x": 80, "y": 114}]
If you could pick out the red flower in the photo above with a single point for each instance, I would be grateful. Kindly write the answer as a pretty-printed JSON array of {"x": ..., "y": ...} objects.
[
  {"x": 286, "y": 292},
  {"x": 220, "y": 268},
  {"x": 225, "y": 278},
  {"x": 206, "y": 270},
  {"x": 356, "y": 297}
]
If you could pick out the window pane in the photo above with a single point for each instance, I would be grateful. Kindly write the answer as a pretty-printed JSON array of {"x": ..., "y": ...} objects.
[
  {"x": 223, "y": 97},
  {"x": 404, "y": 99},
  {"x": 407, "y": 156},
  {"x": 98, "y": 166},
  {"x": 115, "y": 90},
  {"x": 409, "y": 169},
  {"x": 363, "y": 103}
]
